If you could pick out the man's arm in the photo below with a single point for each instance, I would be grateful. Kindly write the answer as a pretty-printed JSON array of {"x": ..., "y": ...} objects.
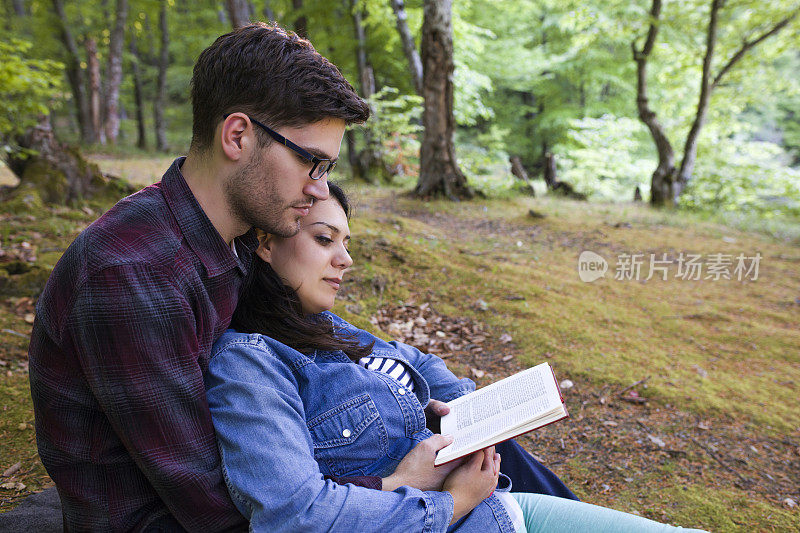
[{"x": 135, "y": 336}]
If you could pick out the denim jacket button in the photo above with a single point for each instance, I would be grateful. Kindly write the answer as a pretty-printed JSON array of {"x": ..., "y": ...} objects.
[
  {"x": 346, "y": 433},
  {"x": 401, "y": 391}
]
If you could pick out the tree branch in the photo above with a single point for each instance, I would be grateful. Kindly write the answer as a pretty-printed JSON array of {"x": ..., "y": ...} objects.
[{"x": 747, "y": 45}]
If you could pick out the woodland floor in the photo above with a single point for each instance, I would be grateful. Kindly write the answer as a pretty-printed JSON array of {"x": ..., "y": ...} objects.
[{"x": 684, "y": 399}]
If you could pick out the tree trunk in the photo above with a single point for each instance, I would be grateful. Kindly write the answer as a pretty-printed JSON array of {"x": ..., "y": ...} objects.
[
  {"x": 352, "y": 155},
  {"x": 518, "y": 170},
  {"x": 439, "y": 174},
  {"x": 57, "y": 173},
  {"x": 75, "y": 75},
  {"x": 667, "y": 182},
  {"x": 161, "y": 89},
  {"x": 409, "y": 47},
  {"x": 300, "y": 23},
  {"x": 238, "y": 12},
  {"x": 141, "y": 133},
  {"x": 370, "y": 160},
  {"x": 550, "y": 171},
  {"x": 707, "y": 86},
  {"x": 690, "y": 148},
  {"x": 19, "y": 8},
  {"x": 662, "y": 183},
  {"x": 114, "y": 74},
  {"x": 97, "y": 133}
]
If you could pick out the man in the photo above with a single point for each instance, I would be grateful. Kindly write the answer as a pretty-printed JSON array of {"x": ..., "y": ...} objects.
[{"x": 125, "y": 324}]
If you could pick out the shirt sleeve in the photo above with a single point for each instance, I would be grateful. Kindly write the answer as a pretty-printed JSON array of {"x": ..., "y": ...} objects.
[
  {"x": 444, "y": 385},
  {"x": 135, "y": 336},
  {"x": 268, "y": 460}
]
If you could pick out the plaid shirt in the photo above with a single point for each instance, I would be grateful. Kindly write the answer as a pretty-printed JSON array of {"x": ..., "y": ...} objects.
[{"x": 122, "y": 337}]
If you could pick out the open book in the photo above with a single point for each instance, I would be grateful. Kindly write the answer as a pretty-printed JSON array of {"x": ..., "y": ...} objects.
[{"x": 515, "y": 405}]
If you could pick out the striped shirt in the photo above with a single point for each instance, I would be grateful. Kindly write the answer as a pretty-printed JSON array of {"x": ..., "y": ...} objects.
[{"x": 391, "y": 367}]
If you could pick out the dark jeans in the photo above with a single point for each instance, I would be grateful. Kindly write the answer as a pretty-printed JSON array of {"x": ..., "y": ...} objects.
[{"x": 527, "y": 474}]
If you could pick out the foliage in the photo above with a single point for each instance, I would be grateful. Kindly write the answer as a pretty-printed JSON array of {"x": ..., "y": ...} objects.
[
  {"x": 531, "y": 76},
  {"x": 744, "y": 176},
  {"x": 394, "y": 124},
  {"x": 27, "y": 88},
  {"x": 606, "y": 157}
]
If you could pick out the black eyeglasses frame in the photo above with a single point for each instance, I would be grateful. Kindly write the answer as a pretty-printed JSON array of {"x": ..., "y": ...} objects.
[{"x": 305, "y": 154}]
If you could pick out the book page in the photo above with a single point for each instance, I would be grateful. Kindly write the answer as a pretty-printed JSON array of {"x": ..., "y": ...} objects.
[{"x": 499, "y": 408}]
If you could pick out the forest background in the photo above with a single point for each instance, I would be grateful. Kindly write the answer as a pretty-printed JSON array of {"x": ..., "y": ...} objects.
[{"x": 563, "y": 113}]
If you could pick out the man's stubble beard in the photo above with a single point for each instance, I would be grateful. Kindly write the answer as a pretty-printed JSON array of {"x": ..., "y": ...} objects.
[{"x": 253, "y": 198}]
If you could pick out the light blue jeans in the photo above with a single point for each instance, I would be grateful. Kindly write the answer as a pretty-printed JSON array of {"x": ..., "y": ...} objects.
[{"x": 556, "y": 515}]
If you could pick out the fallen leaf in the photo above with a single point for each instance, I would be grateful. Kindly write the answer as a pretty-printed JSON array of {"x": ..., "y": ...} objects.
[
  {"x": 13, "y": 485},
  {"x": 505, "y": 338},
  {"x": 508, "y": 358},
  {"x": 29, "y": 318},
  {"x": 704, "y": 425},
  {"x": 567, "y": 384},
  {"x": 655, "y": 440},
  {"x": 610, "y": 423},
  {"x": 790, "y": 503},
  {"x": 13, "y": 469},
  {"x": 22, "y": 426},
  {"x": 478, "y": 373}
]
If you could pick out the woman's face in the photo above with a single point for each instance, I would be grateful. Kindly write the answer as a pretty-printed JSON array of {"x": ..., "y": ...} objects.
[{"x": 313, "y": 261}]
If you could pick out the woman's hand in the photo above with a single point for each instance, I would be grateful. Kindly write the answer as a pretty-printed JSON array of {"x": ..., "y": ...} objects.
[
  {"x": 473, "y": 481},
  {"x": 417, "y": 470},
  {"x": 434, "y": 412}
]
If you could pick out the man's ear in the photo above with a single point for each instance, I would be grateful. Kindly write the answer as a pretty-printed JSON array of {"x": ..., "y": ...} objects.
[
  {"x": 264, "y": 240},
  {"x": 234, "y": 138}
]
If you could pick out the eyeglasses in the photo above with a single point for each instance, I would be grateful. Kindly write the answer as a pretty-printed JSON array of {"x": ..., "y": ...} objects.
[{"x": 320, "y": 166}]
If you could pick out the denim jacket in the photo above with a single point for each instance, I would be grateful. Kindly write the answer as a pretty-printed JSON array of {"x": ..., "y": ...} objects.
[{"x": 284, "y": 420}]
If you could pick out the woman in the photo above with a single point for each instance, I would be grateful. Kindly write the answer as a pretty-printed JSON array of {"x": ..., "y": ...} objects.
[{"x": 299, "y": 394}]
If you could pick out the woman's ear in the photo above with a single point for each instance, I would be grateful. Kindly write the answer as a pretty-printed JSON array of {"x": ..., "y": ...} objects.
[{"x": 263, "y": 250}]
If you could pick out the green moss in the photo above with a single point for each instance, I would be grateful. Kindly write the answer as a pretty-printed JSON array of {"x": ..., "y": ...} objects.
[{"x": 22, "y": 279}]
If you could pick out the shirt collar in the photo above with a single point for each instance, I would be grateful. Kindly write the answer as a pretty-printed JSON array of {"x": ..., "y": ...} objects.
[{"x": 200, "y": 234}]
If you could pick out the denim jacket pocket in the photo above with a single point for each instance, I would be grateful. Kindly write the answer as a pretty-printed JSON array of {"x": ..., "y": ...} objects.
[{"x": 349, "y": 437}]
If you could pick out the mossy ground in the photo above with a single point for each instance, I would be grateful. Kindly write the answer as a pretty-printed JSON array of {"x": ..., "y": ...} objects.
[{"x": 721, "y": 355}]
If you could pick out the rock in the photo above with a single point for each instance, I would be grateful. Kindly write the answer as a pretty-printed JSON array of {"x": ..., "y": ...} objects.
[
  {"x": 566, "y": 384},
  {"x": 790, "y": 503},
  {"x": 505, "y": 338},
  {"x": 655, "y": 440},
  {"x": 478, "y": 373}
]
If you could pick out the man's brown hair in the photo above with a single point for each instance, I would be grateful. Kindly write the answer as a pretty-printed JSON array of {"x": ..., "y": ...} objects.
[{"x": 272, "y": 75}]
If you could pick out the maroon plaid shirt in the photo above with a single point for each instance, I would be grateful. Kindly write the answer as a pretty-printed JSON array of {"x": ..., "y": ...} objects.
[{"x": 122, "y": 337}]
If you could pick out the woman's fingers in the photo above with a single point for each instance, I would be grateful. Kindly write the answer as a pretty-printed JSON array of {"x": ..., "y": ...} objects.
[
  {"x": 438, "y": 408},
  {"x": 437, "y": 442}
]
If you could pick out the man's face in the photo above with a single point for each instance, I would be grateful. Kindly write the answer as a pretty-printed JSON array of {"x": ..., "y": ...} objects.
[{"x": 273, "y": 191}]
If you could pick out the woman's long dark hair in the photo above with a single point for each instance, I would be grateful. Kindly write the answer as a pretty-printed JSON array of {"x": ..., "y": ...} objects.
[{"x": 273, "y": 309}]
